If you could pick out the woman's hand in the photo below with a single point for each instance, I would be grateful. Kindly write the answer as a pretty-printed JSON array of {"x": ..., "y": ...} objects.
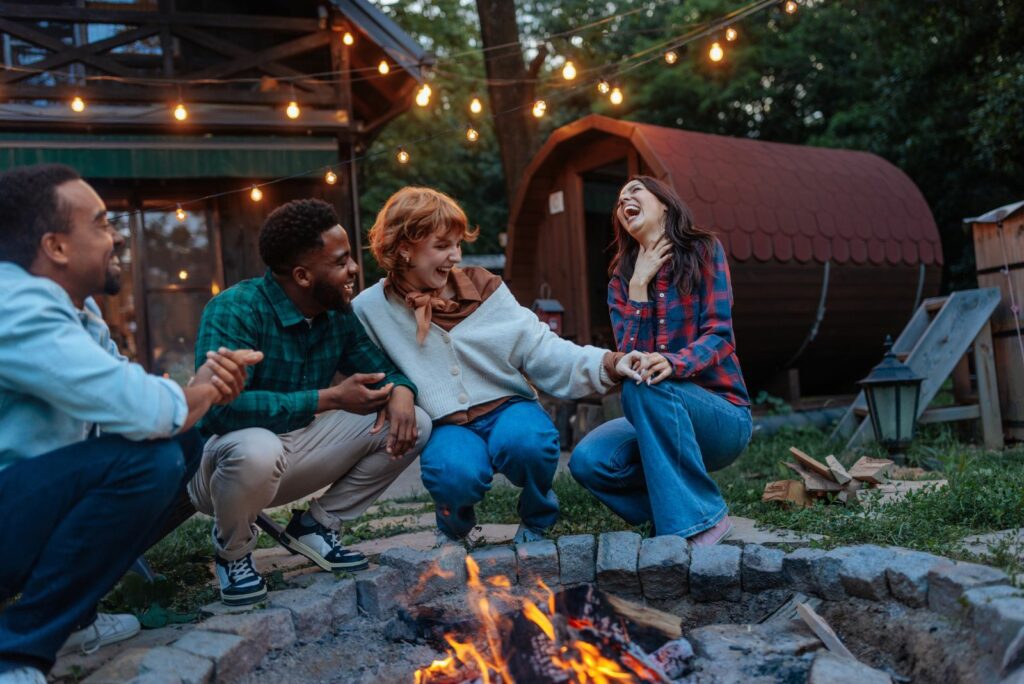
[
  {"x": 648, "y": 263},
  {"x": 655, "y": 369},
  {"x": 629, "y": 365}
]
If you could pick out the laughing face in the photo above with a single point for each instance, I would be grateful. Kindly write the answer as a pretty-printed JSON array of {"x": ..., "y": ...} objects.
[
  {"x": 91, "y": 245},
  {"x": 333, "y": 270},
  {"x": 431, "y": 261},
  {"x": 639, "y": 211}
]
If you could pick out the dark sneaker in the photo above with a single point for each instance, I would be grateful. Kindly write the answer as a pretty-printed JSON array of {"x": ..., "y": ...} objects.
[
  {"x": 321, "y": 545},
  {"x": 240, "y": 584}
]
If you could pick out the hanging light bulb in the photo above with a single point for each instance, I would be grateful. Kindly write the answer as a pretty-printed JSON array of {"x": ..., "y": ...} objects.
[
  {"x": 603, "y": 87},
  {"x": 347, "y": 38},
  {"x": 423, "y": 95},
  {"x": 475, "y": 105},
  {"x": 472, "y": 135},
  {"x": 569, "y": 71},
  {"x": 616, "y": 96},
  {"x": 539, "y": 108},
  {"x": 330, "y": 177},
  {"x": 791, "y": 7},
  {"x": 671, "y": 57},
  {"x": 77, "y": 105},
  {"x": 183, "y": 275},
  {"x": 180, "y": 214},
  {"x": 180, "y": 112},
  {"x": 716, "y": 53},
  {"x": 402, "y": 156},
  {"x": 255, "y": 194},
  {"x": 383, "y": 67},
  {"x": 292, "y": 110},
  {"x": 730, "y": 34}
]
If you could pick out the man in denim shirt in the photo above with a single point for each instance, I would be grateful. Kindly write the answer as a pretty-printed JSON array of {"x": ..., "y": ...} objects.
[{"x": 93, "y": 450}]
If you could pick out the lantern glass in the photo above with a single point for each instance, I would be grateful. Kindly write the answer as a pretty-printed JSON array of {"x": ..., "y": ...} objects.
[
  {"x": 907, "y": 414},
  {"x": 883, "y": 413},
  {"x": 893, "y": 391}
]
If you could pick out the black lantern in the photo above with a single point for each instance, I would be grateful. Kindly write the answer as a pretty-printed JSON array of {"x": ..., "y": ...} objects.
[{"x": 893, "y": 392}]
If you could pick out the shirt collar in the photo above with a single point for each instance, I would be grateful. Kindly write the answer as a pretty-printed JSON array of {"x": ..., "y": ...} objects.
[
  {"x": 287, "y": 313},
  {"x": 465, "y": 289}
]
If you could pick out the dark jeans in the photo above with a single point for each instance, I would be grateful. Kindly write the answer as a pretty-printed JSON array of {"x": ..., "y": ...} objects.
[{"x": 72, "y": 521}]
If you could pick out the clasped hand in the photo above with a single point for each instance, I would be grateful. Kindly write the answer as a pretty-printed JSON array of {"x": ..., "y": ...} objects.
[
  {"x": 650, "y": 368},
  {"x": 393, "y": 405}
]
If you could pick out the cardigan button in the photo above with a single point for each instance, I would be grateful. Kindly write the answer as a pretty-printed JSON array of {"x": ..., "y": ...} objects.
[
  {"x": 455, "y": 370},
  {"x": 463, "y": 399}
]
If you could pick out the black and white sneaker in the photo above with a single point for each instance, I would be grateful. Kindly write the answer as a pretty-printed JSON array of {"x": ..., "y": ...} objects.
[
  {"x": 321, "y": 545},
  {"x": 240, "y": 584}
]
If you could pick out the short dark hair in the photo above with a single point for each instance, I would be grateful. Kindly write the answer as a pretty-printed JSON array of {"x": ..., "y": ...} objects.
[
  {"x": 30, "y": 208},
  {"x": 293, "y": 229}
]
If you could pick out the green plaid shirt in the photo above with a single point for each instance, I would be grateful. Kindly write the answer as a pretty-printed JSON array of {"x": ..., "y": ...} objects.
[{"x": 299, "y": 358}]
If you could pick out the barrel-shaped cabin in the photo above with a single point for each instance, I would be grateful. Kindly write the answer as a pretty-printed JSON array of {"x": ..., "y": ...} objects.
[{"x": 830, "y": 250}]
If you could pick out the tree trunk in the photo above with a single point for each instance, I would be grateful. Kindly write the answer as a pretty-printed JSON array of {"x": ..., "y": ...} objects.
[{"x": 510, "y": 87}]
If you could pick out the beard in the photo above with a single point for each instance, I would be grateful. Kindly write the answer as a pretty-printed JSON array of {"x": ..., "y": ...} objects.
[
  {"x": 330, "y": 298},
  {"x": 111, "y": 282}
]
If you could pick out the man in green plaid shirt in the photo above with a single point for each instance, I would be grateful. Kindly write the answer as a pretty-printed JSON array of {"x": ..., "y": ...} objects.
[{"x": 290, "y": 433}]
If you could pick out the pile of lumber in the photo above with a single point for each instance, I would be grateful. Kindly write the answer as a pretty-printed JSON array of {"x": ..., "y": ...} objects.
[{"x": 828, "y": 481}]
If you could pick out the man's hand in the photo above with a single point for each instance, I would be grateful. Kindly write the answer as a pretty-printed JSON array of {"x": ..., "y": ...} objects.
[
  {"x": 225, "y": 369},
  {"x": 655, "y": 368},
  {"x": 630, "y": 364},
  {"x": 400, "y": 414},
  {"x": 355, "y": 395}
]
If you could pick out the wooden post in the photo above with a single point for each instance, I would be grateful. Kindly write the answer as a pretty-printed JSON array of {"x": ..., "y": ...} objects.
[{"x": 988, "y": 394}]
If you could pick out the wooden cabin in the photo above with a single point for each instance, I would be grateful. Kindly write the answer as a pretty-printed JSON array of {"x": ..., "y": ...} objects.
[
  {"x": 830, "y": 250},
  {"x": 235, "y": 65}
]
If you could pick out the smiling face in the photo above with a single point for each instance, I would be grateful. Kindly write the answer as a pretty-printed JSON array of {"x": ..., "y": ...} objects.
[
  {"x": 91, "y": 245},
  {"x": 332, "y": 270},
  {"x": 431, "y": 260},
  {"x": 639, "y": 211}
]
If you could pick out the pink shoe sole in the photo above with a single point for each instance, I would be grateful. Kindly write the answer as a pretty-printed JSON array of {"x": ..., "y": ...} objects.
[{"x": 713, "y": 535}]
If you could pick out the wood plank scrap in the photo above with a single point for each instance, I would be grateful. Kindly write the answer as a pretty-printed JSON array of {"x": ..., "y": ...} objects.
[{"x": 829, "y": 481}]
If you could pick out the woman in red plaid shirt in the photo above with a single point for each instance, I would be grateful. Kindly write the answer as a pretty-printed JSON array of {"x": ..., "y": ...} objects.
[{"x": 669, "y": 296}]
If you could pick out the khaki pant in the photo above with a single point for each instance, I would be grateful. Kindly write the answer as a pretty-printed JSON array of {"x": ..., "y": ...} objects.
[{"x": 245, "y": 471}]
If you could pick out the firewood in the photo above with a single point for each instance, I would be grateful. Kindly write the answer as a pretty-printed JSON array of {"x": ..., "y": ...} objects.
[
  {"x": 813, "y": 481},
  {"x": 787, "y": 612},
  {"x": 822, "y": 630},
  {"x": 811, "y": 464},
  {"x": 786, "y": 492},
  {"x": 839, "y": 473},
  {"x": 849, "y": 494},
  {"x": 668, "y": 624},
  {"x": 873, "y": 470}
]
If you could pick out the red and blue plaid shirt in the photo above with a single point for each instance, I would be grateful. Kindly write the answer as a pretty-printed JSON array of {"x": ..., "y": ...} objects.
[{"x": 693, "y": 332}]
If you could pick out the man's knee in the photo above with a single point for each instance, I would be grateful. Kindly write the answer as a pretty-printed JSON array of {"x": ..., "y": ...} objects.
[
  {"x": 254, "y": 454},
  {"x": 424, "y": 426}
]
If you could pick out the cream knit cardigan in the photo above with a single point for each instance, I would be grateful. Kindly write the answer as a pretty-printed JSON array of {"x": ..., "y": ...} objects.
[{"x": 484, "y": 357}]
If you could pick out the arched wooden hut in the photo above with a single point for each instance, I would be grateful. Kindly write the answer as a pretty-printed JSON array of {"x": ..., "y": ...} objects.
[{"x": 830, "y": 249}]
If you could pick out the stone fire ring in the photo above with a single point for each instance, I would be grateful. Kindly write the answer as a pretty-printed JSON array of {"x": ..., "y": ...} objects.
[{"x": 977, "y": 599}]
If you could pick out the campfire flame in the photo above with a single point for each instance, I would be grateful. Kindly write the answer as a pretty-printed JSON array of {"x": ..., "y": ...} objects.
[{"x": 580, "y": 661}]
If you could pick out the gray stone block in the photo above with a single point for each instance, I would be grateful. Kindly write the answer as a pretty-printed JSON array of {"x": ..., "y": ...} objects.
[
  {"x": 908, "y": 576},
  {"x": 813, "y": 571},
  {"x": 428, "y": 574},
  {"x": 664, "y": 567},
  {"x": 996, "y": 617},
  {"x": 498, "y": 561},
  {"x": 271, "y": 628},
  {"x": 617, "y": 556},
  {"x": 577, "y": 558},
  {"x": 715, "y": 573},
  {"x": 341, "y": 593},
  {"x": 311, "y": 612},
  {"x": 155, "y": 678},
  {"x": 537, "y": 560},
  {"x": 1013, "y": 657},
  {"x": 233, "y": 656},
  {"x": 829, "y": 668},
  {"x": 947, "y": 583},
  {"x": 761, "y": 568},
  {"x": 863, "y": 570},
  {"x": 188, "y": 668},
  {"x": 380, "y": 591}
]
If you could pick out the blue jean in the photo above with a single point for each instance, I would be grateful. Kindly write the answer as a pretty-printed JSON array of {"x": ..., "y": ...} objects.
[
  {"x": 517, "y": 440},
  {"x": 73, "y": 521},
  {"x": 653, "y": 464}
]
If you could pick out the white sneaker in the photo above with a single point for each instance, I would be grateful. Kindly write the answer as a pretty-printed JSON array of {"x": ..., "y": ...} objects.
[
  {"x": 105, "y": 630},
  {"x": 23, "y": 675}
]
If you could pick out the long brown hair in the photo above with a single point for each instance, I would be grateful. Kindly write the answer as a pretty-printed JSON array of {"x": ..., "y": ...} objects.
[{"x": 692, "y": 246}]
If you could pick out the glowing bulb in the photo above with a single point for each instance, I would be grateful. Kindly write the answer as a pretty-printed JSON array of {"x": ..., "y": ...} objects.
[
  {"x": 475, "y": 106},
  {"x": 402, "y": 156},
  {"x": 716, "y": 53},
  {"x": 423, "y": 96},
  {"x": 347, "y": 38},
  {"x": 215, "y": 289},
  {"x": 180, "y": 213},
  {"x": 472, "y": 135},
  {"x": 569, "y": 71},
  {"x": 730, "y": 34},
  {"x": 383, "y": 67},
  {"x": 183, "y": 275},
  {"x": 791, "y": 7},
  {"x": 292, "y": 110},
  {"x": 616, "y": 96},
  {"x": 671, "y": 57},
  {"x": 539, "y": 108},
  {"x": 180, "y": 113},
  {"x": 603, "y": 87},
  {"x": 255, "y": 194},
  {"x": 78, "y": 105},
  {"x": 330, "y": 177}
]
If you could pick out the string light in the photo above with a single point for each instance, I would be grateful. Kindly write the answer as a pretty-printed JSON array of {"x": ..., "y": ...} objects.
[
  {"x": 423, "y": 95},
  {"x": 347, "y": 38},
  {"x": 472, "y": 135},
  {"x": 671, "y": 57},
  {"x": 330, "y": 177},
  {"x": 616, "y": 96},
  {"x": 730, "y": 34},
  {"x": 292, "y": 110},
  {"x": 716, "y": 53},
  {"x": 182, "y": 274},
  {"x": 77, "y": 105},
  {"x": 475, "y": 106},
  {"x": 402, "y": 156},
  {"x": 383, "y": 67},
  {"x": 603, "y": 87},
  {"x": 569, "y": 71},
  {"x": 255, "y": 194},
  {"x": 180, "y": 112},
  {"x": 181, "y": 214},
  {"x": 539, "y": 108},
  {"x": 790, "y": 7}
]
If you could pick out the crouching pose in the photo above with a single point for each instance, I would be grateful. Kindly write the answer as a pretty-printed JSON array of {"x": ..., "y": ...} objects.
[{"x": 469, "y": 347}]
